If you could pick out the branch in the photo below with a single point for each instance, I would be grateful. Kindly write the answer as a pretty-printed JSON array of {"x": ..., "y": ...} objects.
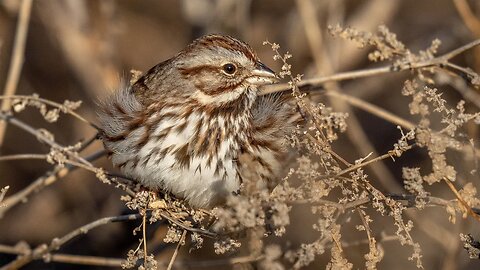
[
  {"x": 56, "y": 243},
  {"x": 175, "y": 253},
  {"x": 66, "y": 258},
  {"x": 75, "y": 159},
  {"x": 22, "y": 156},
  {"x": 17, "y": 60},
  {"x": 310, "y": 84},
  {"x": 117, "y": 262},
  {"x": 62, "y": 107},
  {"x": 47, "y": 179}
]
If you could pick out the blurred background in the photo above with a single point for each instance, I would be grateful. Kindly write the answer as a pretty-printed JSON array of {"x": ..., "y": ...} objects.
[{"x": 80, "y": 50}]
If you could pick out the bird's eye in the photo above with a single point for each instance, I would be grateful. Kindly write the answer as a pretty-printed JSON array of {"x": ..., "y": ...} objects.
[{"x": 229, "y": 68}]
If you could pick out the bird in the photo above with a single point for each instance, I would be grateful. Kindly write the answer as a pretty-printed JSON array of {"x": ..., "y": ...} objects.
[{"x": 196, "y": 126}]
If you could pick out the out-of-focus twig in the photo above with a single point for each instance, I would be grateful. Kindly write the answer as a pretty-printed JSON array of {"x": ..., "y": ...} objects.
[
  {"x": 373, "y": 109},
  {"x": 56, "y": 243},
  {"x": 16, "y": 61},
  {"x": 88, "y": 47},
  {"x": 47, "y": 179},
  {"x": 117, "y": 262},
  {"x": 22, "y": 156},
  {"x": 40, "y": 136},
  {"x": 66, "y": 258},
  {"x": 472, "y": 22}
]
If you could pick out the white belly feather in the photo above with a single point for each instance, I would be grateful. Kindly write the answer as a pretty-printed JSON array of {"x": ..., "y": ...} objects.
[{"x": 201, "y": 183}]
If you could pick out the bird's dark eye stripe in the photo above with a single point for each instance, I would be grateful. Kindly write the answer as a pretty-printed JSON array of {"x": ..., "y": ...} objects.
[{"x": 229, "y": 68}]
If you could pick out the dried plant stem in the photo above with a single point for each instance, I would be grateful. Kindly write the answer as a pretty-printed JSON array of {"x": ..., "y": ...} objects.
[
  {"x": 39, "y": 135},
  {"x": 175, "y": 253},
  {"x": 47, "y": 179},
  {"x": 373, "y": 109},
  {"x": 461, "y": 200},
  {"x": 56, "y": 243},
  {"x": 323, "y": 64},
  {"x": 315, "y": 82},
  {"x": 392, "y": 118},
  {"x": 16, "y": 61},
  {"x": 362, "y": 215},
  {"x": 144, "y": 233},
  {"x": 381, "y": 239},
  {"x": 22, "y": 156},
  {"x": 361, "y": 165},
  {"x": 67, "y": 258},
  {"x": 117, "y": 262},
  {"x": 50, "y": 103},
  {"x": 173, "y": 220},
  {"x": 72, "y": 156}
]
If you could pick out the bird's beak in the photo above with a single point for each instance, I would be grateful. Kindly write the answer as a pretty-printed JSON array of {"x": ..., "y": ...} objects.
[{"x": 262, "y": 75}]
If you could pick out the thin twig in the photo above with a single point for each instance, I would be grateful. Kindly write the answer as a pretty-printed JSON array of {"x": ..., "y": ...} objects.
[
  {"x": 54, "y": 104},
  {"x": 56, "y": 243},
  {"x": 175, "y": 253},
  {"x": 392, "y": 118},
  {"x": 74, "y": 158},
  {"x": 117, "y": 262},
  {"x": 461, "y": 200},
  {"x": 144, "y": 233},
  {"x": 373, "y": 109},
  {"x": 47, "y": 179},
  {"x": 16, "y": 62},
  {"x": 22, "y": 156},
  {"x": 350, "y": 75},
  {"x": 359, "y": 165},
  {"x": 67, "y": 258},
  {"x": 39, "y": 135},
  {"x": 185, "y": 227}
]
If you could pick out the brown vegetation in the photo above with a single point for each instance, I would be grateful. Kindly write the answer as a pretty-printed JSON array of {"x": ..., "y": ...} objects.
[{"x": 384, "y": 170}]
